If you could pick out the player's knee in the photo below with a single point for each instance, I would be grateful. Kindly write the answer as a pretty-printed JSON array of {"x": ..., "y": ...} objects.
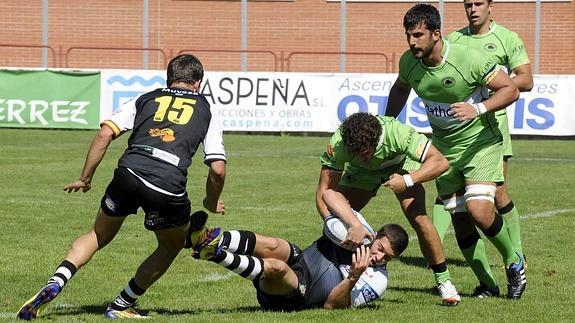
[
  {"x": 274, "y": 268},
  {"x": 463, "y": 224},
  {"x": 267, "y": 246}
]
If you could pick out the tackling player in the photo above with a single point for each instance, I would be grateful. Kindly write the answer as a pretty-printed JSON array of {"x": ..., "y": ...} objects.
[
  {"x": 449, "y": 78},
  {"x": 368, "y": 151},
  {"x": 507, "y": 48}
]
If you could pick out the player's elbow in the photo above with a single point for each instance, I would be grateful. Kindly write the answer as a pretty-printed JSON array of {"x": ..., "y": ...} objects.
[
  {"x": 336, "y": 305},
  {"x": 103, "y": 138},
  {"x": 527, "y": 86},
  {"x": 218, "y": 170},
  {"x": 514, "y": 94},
  {"x": 328, "y": 194}
]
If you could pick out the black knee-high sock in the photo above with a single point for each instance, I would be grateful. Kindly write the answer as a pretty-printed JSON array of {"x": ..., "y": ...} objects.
[
  {"x": 239, "y": 242},
  {"x": 247, "y": 266}
]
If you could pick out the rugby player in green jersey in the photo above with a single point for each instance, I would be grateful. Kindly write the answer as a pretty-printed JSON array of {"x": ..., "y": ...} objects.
[
  {"x": 368, "y": 151},
  {"x": 508, "y": 50},
  {"x": 450, "y": 78}
]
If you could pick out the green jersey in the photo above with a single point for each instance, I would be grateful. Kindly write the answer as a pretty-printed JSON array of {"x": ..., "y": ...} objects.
[
  {"x": 505, "y": 46},
  {"x": 460, "y": 77},
  {"x": 395, "y": 143}
]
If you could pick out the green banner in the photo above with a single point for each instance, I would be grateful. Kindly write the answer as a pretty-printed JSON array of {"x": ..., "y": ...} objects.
[{"x": 49, "y": 99}]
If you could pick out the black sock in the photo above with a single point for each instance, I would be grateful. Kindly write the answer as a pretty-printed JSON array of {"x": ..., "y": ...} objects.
[
  {"x": 63, "y": 274},
  {"x": 128, "y": 296}
]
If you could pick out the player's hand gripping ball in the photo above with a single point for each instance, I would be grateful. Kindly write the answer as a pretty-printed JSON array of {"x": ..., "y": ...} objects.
[{"x": 336, "y": 230}]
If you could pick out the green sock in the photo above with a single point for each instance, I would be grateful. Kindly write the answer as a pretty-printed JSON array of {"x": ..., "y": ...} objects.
[
  {"x": 501, "y": 241},
  {"x": 477, "y": 260},
  {"x": 441, "y": 273},
  {"x": 442, "y": 277},
  {"x": 441, "y": 220},
  {"x": 511, "y": 217}
]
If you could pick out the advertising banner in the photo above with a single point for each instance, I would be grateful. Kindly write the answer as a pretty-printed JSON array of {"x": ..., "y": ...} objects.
[
  {"x": 121, "y": 86},
  {"x": 273, "y": 101},
  {"x": 49, "y": 99},
  {"x": 256, "y": 101},
  {"x": 545, "y": 110}
]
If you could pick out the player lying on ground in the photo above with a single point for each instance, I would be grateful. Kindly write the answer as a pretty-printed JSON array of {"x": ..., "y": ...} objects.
[{"x": 322, "y": 275}]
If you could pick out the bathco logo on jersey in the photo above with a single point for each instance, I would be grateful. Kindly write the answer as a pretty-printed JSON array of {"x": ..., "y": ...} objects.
[{"x": 441, "y": 111}]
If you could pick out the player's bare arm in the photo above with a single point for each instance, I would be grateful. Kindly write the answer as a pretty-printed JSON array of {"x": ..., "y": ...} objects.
[
  {"x": 523, "y": 78},
  {"x": 214, "y": 187},
  {"x": 328, "y": 179},
  {"x": 95, "y": 155},
  {"x": 504, "y": 93},
  {"x": 339, "y": 297},
  {"x": 398, "y": 95},
  {"x": 338, "y": 204},
  {"x": 434, "y": 164}
]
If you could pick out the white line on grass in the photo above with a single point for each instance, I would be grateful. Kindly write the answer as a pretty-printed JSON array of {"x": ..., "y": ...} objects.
[
  {"x": 545, "y": 214},
  {"x": 258, "y": 208},
  {"x": 546, "y": 159},
  {"x": 7, "y": 315},
  {"x": 216, "y": 277}
]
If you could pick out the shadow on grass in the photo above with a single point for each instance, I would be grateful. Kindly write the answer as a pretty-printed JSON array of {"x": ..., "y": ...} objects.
[
  {"x": 241, "y": 309},
  {"x": 160, "y": 311},
  {"x": 100, "y": 309},
  {"x": 421, "y": 262},
  {"x": 426, "y": 290},
  {"x": 76, "y": 310}
]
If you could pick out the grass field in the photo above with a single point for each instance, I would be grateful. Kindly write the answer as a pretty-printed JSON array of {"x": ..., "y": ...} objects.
[{"x": 269, "y": 189}]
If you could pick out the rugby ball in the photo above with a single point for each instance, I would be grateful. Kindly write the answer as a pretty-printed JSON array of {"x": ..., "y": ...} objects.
[{"x": 336, "y": 230}]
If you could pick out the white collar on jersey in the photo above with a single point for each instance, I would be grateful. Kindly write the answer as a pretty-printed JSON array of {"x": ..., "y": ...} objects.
[
  {"x": 444, "y": 58},
  {"x": 444, "y": 52}
]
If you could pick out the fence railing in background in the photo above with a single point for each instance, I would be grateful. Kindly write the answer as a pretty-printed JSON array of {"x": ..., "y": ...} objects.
[
  {"x": 284, "y": 62},
  {"x": 388, "y": 62},
  {"x": 76, "y": 48},
  {"x": 240, "y": 51},
  {"x": 54, "y": 56}
]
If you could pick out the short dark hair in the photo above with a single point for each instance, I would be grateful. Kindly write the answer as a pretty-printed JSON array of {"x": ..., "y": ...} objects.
[
  {"x": 396, "y": 235},
  {"x": 184, "y": 68},
  {"x": 360, "y": 131},
  {"x": 424, "y": 14}
]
